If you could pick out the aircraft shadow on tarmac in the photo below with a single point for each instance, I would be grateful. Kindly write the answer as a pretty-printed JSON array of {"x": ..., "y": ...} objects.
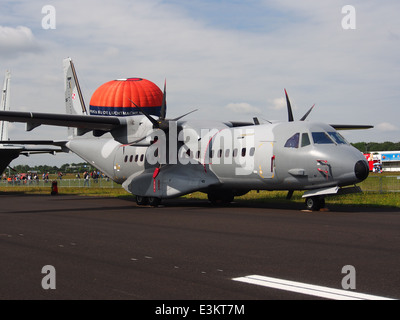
[
  {"x": 273, "y": 204},
  {"x": 202, "y": 203}
]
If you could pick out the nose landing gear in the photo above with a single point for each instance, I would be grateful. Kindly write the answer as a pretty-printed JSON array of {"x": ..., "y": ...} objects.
[{"x": 315, "y": 203}]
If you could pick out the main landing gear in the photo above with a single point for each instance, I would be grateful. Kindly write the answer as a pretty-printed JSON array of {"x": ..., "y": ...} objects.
[
  {"x": 220, "y": 198},
  {"x": 152, "y": 201},
  {"x": 315, "y": 203}
]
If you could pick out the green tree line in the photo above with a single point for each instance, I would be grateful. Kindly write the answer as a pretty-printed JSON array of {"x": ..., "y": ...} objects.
[
  {"x": 65, "y": 168},
  {"x": 367, "y": 147}
]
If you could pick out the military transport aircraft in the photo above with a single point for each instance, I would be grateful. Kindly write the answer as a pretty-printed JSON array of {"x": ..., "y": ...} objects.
[
  {"x": 162, "y": 158},
  {"x": 10, "y": 150}
]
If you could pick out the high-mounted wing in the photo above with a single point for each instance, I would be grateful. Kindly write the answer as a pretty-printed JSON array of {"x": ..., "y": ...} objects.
[
  {"x": 35, "y": 119},
  {"x": 350, "y": 127},
  {"x": 33, "y": 142}
]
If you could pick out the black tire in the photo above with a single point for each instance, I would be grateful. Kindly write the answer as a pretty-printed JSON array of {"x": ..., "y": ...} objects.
[
  {"x": 154, "y": 202},
  {"x": 142, "y": 201},
  {"x": 315, "y": 203},
  {"x": 220, "y": 199}
]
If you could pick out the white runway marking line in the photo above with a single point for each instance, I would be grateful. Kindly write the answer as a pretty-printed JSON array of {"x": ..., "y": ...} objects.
[{"x": 308, "y": 289}]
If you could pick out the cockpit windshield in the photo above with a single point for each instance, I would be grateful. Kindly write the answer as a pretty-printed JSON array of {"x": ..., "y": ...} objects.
[
  {"x": 338, "y": 138},
  {"x": 321, "y": 138}
]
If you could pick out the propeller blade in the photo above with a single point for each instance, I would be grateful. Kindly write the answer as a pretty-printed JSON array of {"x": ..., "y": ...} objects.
[
  {"x": 152, "y": 120},
  {"x": 308, "y": 112},
  {"x": 178, "y": 118},
  {"x": 289, "y": 107},
  {"x": 163, "y": 113}
]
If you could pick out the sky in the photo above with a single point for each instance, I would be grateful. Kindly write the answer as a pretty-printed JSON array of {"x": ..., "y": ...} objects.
[{"x": 231, "y": 60}]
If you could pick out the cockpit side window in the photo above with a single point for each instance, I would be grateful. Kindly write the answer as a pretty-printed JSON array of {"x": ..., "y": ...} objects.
[
  {"x": 338, "y": 138},
  {"x": 321, "y": 138},
  {"x": 305, "y": 140},
  {"x": 293, "y": 141}
]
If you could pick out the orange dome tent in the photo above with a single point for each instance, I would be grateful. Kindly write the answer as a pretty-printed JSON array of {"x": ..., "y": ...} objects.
[{"x": 112, "y": 98}]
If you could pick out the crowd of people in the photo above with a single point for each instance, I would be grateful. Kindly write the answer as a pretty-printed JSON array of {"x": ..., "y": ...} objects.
[
  {"x": 33, "y": 177},
  {"x": 25, "y": 178}
]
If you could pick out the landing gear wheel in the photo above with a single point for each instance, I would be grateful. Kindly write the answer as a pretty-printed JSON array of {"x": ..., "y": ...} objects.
[
  {"x": 154, "y": 202},
  {"x": 315, "y": 203},
  {"x": 220, "y": 199},
  {"x": 142, "y": 201}
]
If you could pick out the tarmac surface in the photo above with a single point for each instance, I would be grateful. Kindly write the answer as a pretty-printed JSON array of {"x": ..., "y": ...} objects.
[{"x": 107, "y": 248}]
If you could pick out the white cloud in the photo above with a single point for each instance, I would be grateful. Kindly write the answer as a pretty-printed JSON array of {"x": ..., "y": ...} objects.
[
  {"x": 243, "y": 108},
  {"x": 278, "y": 103},
  {"x": 386, "y": 126},
  {"x": 16, "y": 40}
]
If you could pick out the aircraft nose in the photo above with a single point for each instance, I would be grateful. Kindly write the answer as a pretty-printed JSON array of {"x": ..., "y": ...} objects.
[{"x": 361, "y": 170}]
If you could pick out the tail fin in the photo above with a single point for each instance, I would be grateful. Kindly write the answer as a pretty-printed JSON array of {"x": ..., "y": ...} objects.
[
  {"x": 74, "y": 101},
  {"x": 5, "y": 106}
]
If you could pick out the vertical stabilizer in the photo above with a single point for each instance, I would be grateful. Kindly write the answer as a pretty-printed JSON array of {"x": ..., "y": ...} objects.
[
  {"x": 5, "y": 106},
  {"x": 74, "y": 101}
]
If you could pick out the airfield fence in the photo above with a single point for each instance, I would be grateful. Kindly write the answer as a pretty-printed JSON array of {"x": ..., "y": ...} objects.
[
  {"x": 63, "y": 183},
  {"x": 380, "y": 184}
]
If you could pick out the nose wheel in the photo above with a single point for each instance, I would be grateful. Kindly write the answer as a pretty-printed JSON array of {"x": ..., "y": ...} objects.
[{"x": 315, "y": 203}]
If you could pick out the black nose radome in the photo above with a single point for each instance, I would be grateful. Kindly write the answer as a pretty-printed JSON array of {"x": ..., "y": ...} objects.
[{"x": 361, "y": 170}]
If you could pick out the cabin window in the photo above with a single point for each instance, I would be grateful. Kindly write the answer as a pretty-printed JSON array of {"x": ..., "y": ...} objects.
[
  {"x": 126, "y": 159},
  {"x": 211, "y": 154},
  {"x": 321, "y": 138},
  {"x": 244, "y": 152},
  {"x": 235, "y": 153},
  {"x": 130, "y": 158},
  {"x": 305, "y": 140},
  {"x": 338, "y": 138},
  {"x": 142, "y": 158},
  {"x": 227, "y": 153},
  {"x": 252, "y": 151},
  {"x": 293, "y": 141},
  {"x": 220, "y": 153},
  {"x": 137, "y": 158}
]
